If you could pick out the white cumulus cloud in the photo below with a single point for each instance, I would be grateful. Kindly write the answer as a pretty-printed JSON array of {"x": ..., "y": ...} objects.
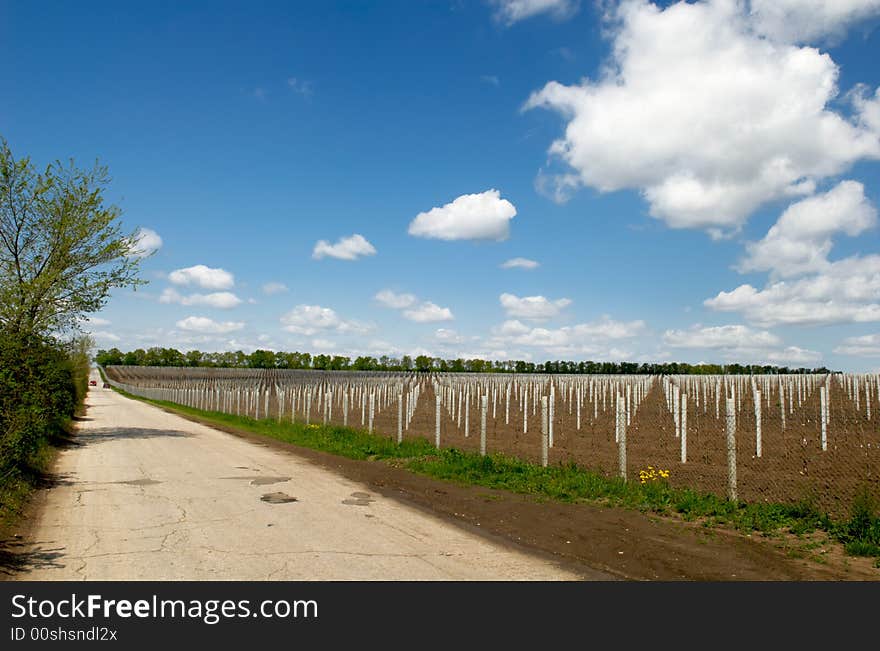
[
  {"x": 146, "y": 242},
  {"x": 202, "y": 276},
  {"x": 864, "y": 345},
  {"x": 274, "y": 288},
  {"x": 803, "y": 21},
  {"x": 311, "y": 319},
  {"x": 591, "y": 338},
  {"x": 428, "y": 312},
  {"x": 347, "y": 248},
  {"x": 105, "y": 335},
  {"x": 846, "y": 291},
  {"x": 220, "y": 300},
  {"x": 388, "y": 298},
  {"x": 520, "y": 263},
  {"x": 483, "y": 216},
  {"x": 741, "y": 344},
  {"x": 800, "y": 240},
  {"x": 208, "y": 326},
  {"x": 793, "y": 355},
  {"x": 728, "y": 336},
  {"x": 706, "y": 118},
  {"x": 532, "y": 307},
  {"x": 512, "y": 11}
]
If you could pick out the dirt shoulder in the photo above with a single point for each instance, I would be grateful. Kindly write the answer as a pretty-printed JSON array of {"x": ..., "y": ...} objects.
[{"x": 626, "y": 543}]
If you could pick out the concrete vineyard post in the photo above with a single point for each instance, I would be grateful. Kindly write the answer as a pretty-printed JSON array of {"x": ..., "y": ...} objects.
[
  {"x": 345, "y": 409},
  {"x": 437, "y": 424},
  {"x": 372, "y": 411},
  {"x": 676, "y": 414},
  {"x": 308, "y": 405},
  {"x": 399, "y": 417},
  {"x": 628, "y": 402},
  {"x": 823, "y": 409},
  {"x": 758, "y": 442},
  {"x": 731, "y": 449},
  {"x": 782, "y": 403},
  {"x": 684, "y": 431},
  {"x": 545, "y": 443},
  {"x": 621, "y": 436},
  {"x": 552, "y": 411},
  {"x": 483, "y": 410},
  {"x": 617, "y": 420}
]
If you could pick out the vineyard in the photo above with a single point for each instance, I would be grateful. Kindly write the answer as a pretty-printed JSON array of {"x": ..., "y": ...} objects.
[{"x": 758, "y": 438}]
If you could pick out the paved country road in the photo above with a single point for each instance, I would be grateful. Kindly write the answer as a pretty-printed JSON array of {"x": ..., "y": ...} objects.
[{"x": 148, "y": 495}]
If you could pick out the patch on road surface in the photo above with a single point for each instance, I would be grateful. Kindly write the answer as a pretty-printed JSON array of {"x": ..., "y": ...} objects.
[
  {"x": 139, "y": 482},
  {"x": 263, "y": 481},
  {"x": 359, "y": 499},
  {"x": 278, "y": 498},
  {"x": 256, "y": 480}
]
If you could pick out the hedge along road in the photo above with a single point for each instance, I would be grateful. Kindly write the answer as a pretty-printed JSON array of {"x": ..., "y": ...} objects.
[{"x": 148, "y": 495}]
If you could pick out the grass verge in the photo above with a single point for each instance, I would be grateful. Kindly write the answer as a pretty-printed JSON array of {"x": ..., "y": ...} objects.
[
  {"x": 17, "y": 483},
  {"x": 860, "y": 535}
]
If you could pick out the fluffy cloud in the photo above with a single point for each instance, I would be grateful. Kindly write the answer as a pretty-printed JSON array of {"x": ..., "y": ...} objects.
[
  {"x": 532, "y": 307},
  {"x": 274, "y": 288},
  {"x": 847, "y": 291},
  {"x": 800, "y": 240},
  {"x": 706, "y": 118},
  {"x": 803, "y": 21},
  {"x": 512, "y": 11},
  {"x": 729, "y": 336},
  {"x": 208, "y": 326},
  {"x": 520, "y": 263},
  {"x": 88, "y": 321},
  {"x": 865, "y": 345},
  {"x": 741, "y": 344},
  {"x": 202, "y": 276},
  {"x": 390, "y": 299},
  {"x": 428, "y": 312},
  {"x": 483, "y": 216},
  {"x": 146, "y": 242},
  {"x": 347, "y": 248},
  {"x": 584, "y": 338},
  {"x": 104, "y": 335},
  {"x": 447, "y": 337},
  {"x": 311, "y": 319},
  {"x": 793, "y": 355},
  {"x": 424, "y": 312},
  {"x": 220, "y": 300}
]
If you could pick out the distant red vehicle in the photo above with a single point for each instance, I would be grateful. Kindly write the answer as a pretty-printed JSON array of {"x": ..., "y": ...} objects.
[{"x": 93, "y": 383}]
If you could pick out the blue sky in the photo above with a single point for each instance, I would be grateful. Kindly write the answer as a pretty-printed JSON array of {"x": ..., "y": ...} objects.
[{"x": 711, "y": 194}]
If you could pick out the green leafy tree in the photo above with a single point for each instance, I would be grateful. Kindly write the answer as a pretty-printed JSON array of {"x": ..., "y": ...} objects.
[
  {"x": 112, "y": 357},
  {"x": 61, "y": 248},
  {"x": 261, "y": 359}
]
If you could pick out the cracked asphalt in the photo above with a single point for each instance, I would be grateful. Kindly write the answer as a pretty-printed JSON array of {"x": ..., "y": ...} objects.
[{"x": 147, "y": 495}]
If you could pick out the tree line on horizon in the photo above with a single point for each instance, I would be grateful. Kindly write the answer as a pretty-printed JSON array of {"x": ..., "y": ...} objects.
[{"x": 267, "y": 359}]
